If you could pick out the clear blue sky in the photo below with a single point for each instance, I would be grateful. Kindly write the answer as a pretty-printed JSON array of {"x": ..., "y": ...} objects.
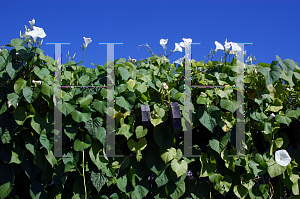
[{"x": 272, "y": 26}]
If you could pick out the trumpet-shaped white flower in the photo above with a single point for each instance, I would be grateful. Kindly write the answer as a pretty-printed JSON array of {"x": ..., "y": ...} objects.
[
  {"x": 177, "y": 48},
  {"x": 255, "y": 72},
  {"x": 32, "y": 22},
  {"x": 187, "y": 41},
  {"x": 235, "y": 47},
  {"x": 227, "y": 45},
  {"x": 36, "y": 82},
  {"x": 182, "y": 44},
  {"x": 179, "y": 61},
  {"x": 282, "y": 157},
  {"x": 272, "y": 116},
  {"x": 163, "y": 42},
  {"x": 86, "y": 41},
  {"x": 218, "y": 46},
  {"x": 36, "y": 32},
  {"x": 165, "y": 86}
]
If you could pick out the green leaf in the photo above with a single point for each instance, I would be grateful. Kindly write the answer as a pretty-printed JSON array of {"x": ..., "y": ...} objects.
[
  {"x": 15, "y": 158},
  {"x": 274, "y": 169},
  {"x": 179, "y": 167},
  {"x": 271, "y": 74},
  {"x": 142, "y": 88},
  {"x": 84, "y": 80},
  {"x": 47, "y": 90},
  {"x": 283, "y": 119},
  {"x": 258, "y": 116},
  {"x": 98, "y": 179},
  {"x": 95, "y": 157},
  {"x": 16, "y": 42},
  {"x": 140, "y": 132},
  {"x": 176, "y": 190},
  {"x": 124, "y": 130},
  {"x": 14, "y": 98},
  {"x": 124, "y": 73},
  {"x": 5, "y": 190},
  {"x": 276, "y": 106},
  {"x": 287, "y": 64},
  {"x": 210, "y": 118},
  {"x": 122, "y": 183},
  {"x": 288, "y": 78},
  {"x": 39, "y": 124},
  {"x": 30, "y": 95},
  {"x": 141, "y": 190},
  {"x": 2, "y": 63},
  {"x": 162, "y": 179},
  {"x": 81, "y": 116},
  {"x": 293, "y": 113},
  {"x": 257, "y": 168},
  {"x": 99, "y": 106},
  {"x": 41, "y": 73},
  {"x": 224, "y": 185},
  {"x": 70, "y": 131},
  {"x": 45, "y": 142},
  {"x": 19, "y": 85},
  {"x": 218, "y": 146},
  {"x": 240, "y": 191},
  {"x": 11, "y": 69},
  {"x": 67, "y": 108},
  {"x": 168, "y": 155},
  {"x": 136, "y": 146},
  {"x": 85, "y": 101},
  {"x": 80, "y": 145},
  {"x": 228, "y": 105},
  {"x": 122, "y": 102},
  {"x": 93, "y": 125},
  {"x": 101, "y": 135},
  {"x": 215, "y": 178}
]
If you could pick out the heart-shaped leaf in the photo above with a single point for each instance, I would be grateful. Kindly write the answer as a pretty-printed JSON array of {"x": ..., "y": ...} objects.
[
  {"x": 217, "y": 145},
  {"x": 179, "y": 167},
  {"x": 168, "y": 155}
]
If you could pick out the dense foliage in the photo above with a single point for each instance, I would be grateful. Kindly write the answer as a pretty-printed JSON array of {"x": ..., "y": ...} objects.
[{"x": 152, "y": 164}]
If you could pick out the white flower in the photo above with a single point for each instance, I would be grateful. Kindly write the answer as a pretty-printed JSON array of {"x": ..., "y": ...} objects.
[
  {"x": 235, "y": 47},
  {"x": 36, "y": 82},
  {"x": 187, "y": 41},
  {"x": 32, "y": 22},
  {"x": 36, "y": 32},
  {"x": 218, "y": 46},
  {"x": 182, "y": 44},
  {"x": 163, "y": 42},
  {"x": 179, "y": 61},
  {"x": 177, "y": 48},
  {"x": 86, "y": 41},
  {"x": 272, "y": 116},
  {"x": 249, "y": 60},
  {"x": 255, "y": 72},
  {"x": 282, "y": 157},
  {"x": 227, "y": 45},
  {"x": 165, "y": 86}
]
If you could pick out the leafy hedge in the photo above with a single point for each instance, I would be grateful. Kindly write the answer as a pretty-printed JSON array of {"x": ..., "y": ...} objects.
[{"x": 152, "y": 164}]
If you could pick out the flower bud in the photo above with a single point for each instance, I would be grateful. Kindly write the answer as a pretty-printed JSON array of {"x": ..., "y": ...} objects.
[
  {"x": 272, "y": 116},
  {"x": 165, "y": 86}
]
